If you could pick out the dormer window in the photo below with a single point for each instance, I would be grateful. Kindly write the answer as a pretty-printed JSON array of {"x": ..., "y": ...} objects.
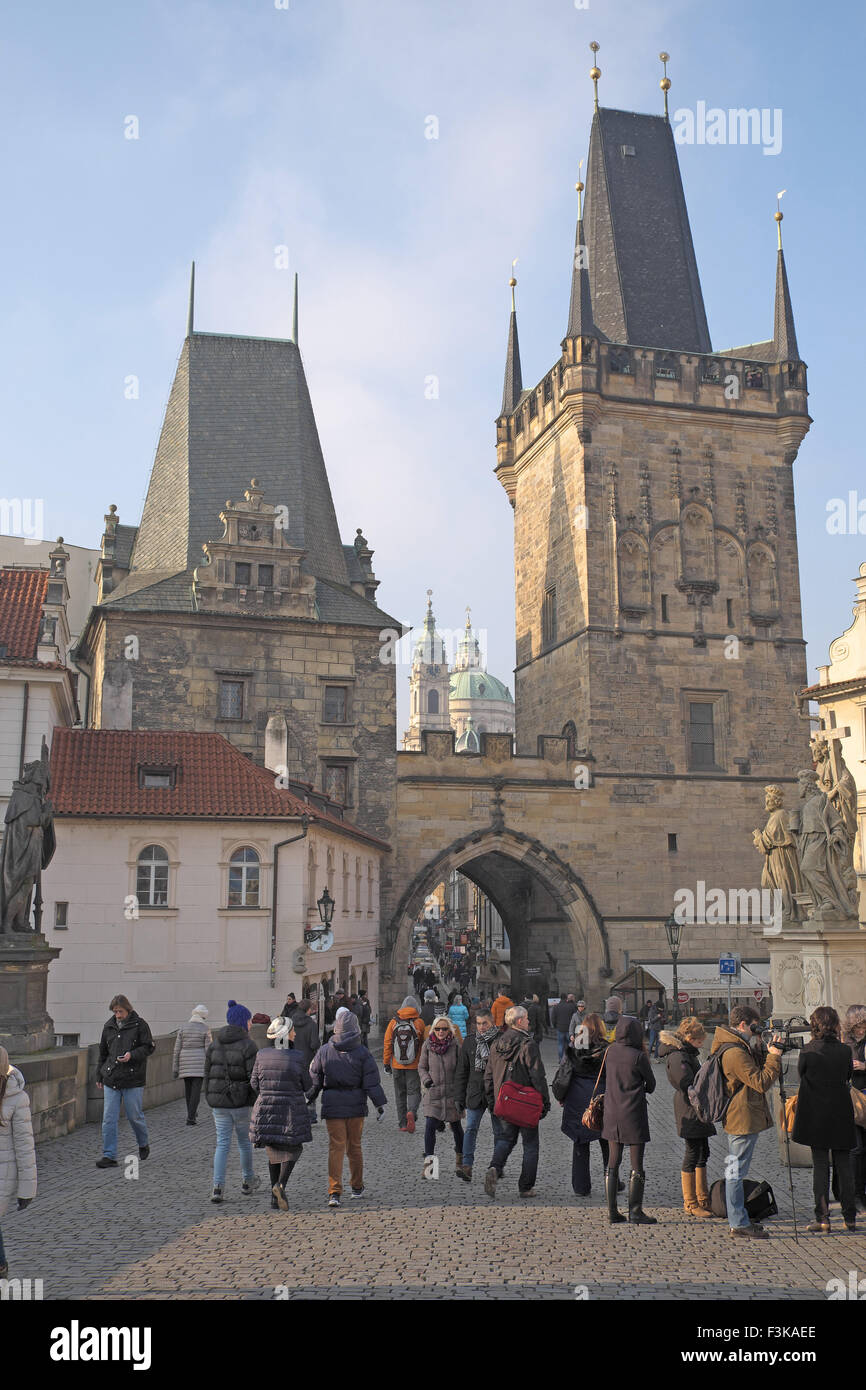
[{"x": 150, "y": 775}]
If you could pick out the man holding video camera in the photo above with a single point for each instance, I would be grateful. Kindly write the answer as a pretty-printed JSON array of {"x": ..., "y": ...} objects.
[{"x": 747, "y": 1114}]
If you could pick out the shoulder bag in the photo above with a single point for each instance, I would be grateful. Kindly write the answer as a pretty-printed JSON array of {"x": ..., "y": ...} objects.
[{"x": 593, "y": 1115}]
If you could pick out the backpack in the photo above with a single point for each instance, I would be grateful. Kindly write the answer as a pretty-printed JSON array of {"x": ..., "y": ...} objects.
[
  {"x": 405, "y": 1042},
  {"x": 758, "y": 1198},
  {"x": 708, "y": 1093}
]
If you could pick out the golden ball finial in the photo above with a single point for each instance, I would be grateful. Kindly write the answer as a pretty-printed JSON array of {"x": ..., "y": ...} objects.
[
  {"x": 778, "y": 216},
  {"x": 512, "y": 282},
  {"x": 595, "y": 74},
  {"x": 664, "y": 57},
  {"x": 665, "y": 84},
  {"x": 578, "y": 187},
  {"x": 594, "y": 46}
]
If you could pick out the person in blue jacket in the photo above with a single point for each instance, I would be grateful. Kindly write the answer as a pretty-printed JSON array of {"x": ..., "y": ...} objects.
[
  {"x": 459, "y": 1014},
  {"x": 346, "y": 1075}
]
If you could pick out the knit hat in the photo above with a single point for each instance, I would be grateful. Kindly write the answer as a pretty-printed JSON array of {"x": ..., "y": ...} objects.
[
  {"x": 346, "y": 1026},
  {"x": 199, "y": 1013},
  {"x": 342, "y": 1010},
  {"x": 237, "y": 1015},
  {"x": 429, "y": 997},
  {"x": 613, "y": 1004},
  {"x": 280, "y": 1030}
]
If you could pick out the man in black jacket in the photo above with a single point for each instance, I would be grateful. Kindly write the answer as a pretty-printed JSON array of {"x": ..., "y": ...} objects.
[
  {"x": 514, "y": 1056},
  {"x": 124, "y": 1048},
  {"x": 533, "y": 1009},
  {"x": 560, "y": 1017},
  {"x": 306, "y": 1042},
  {"x": 469, "y": 1092},
  {"x": 228, "y": 1066}
]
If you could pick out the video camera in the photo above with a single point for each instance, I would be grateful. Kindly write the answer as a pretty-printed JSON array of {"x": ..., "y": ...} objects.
[{"x": 788, "y": 1034}]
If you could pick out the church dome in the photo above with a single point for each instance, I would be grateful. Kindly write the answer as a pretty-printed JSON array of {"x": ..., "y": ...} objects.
[
  {"x": 478, "y": 685},
  {"x": 468, "y": 742}
]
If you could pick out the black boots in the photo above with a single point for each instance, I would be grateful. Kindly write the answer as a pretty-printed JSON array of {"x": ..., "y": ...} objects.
[
  {"x": 610, "y": 1186},
  {"x": 636, "y": 1215}
]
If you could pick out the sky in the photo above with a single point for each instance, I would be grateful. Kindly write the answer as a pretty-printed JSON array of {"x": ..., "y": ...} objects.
[{"x": 305, "y": 124}]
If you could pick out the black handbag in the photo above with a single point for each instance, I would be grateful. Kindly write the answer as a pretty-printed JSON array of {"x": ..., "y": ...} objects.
[{"x": 562, "y": 1079}]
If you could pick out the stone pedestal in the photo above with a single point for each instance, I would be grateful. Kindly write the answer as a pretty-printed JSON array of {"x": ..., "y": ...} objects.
[
  {"x": 25, "y": 1025},
  {"x": 815, "y": 963}
]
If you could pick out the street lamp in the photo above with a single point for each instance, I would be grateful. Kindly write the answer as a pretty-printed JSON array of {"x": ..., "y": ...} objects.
[
  {"x": 326, "y": 906},
  {"x": 674, "y": 934}
]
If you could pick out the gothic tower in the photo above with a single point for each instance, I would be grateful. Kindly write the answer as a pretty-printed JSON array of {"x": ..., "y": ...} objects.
[{"x": 657, "y": 592}]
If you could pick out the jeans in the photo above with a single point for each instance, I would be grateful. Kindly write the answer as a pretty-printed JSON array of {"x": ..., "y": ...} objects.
[
  {"x": 821, "y": 1182},
  {"x": 653, "y": 1039},
  {"x": 407, "y": 1092},
  {"x": 227, "y": 1121},
  {"x": 132, "y": 1098},
  {"x": 505, "y": 1143},
  {"x": 344, "y": 1137},
  {"x": 470, "y": 1136},
  {"x": 192, "y": 1091},
  {"x": 434, "y": 1127},
  {"x": 561, "y": 1043},
  {"x": 740, "y": 1147}
]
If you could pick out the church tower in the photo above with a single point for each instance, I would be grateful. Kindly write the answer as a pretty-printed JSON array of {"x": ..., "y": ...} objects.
[
  {"x": 657, "y": 595},
  {"x": 429, "y": 682}
]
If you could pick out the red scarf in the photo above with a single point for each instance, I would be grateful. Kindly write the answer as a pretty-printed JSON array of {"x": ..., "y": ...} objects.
[{"x": 440, "y": 1042}]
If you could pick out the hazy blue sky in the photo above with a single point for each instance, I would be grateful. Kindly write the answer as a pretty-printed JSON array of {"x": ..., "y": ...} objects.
[{"x": 305, "y": 126}]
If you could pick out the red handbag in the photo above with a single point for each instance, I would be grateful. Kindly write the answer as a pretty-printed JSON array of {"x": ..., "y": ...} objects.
[{"x": 520, "y": 1105}]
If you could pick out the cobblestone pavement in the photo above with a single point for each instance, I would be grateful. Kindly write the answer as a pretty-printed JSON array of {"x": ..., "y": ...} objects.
[{"x": 98, "y": 1235}]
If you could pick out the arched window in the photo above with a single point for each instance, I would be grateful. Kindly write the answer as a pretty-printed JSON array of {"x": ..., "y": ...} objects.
[
  {"x": 569, "y": 731},
  {"x": 369, "y": 887},
  {"x": 311, "y": 879},
  {"x": 345, "y": 894},
  {"x": 330, "y": 872},
  {"x": 151, "y": 880},
  {"x": 244, "y": 884},
  {"x": 357, "y": 885},
  {"x": 432, "y": 701}
]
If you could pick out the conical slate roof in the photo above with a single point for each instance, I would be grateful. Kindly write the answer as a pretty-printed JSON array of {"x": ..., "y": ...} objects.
[
  {"x": 643, "y": 276},
  {"x": 238, "y": 408},
  {"x": 784, "y": 333},
  {"x": 513, "y": 386}
]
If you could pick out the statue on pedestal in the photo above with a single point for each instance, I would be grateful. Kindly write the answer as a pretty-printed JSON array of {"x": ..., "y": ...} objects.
[
  {"x": 838, "y": 785},
  {"x": 781, "y": 871},
  {"x": 28, "y": 844},
  {"x": 826, "y": 853}
]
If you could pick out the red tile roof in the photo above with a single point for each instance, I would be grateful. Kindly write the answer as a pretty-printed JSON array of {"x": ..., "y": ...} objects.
[
  {"x": 94, "y": 772},
  {"x": 22, "y": 594},
  {"x": 815, "y": 692}
]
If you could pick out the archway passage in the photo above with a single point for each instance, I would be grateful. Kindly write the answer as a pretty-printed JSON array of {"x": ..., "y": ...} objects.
[{"x": 558, "y": 939}]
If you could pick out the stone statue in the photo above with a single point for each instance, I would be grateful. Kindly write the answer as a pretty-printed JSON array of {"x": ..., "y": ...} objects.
[
  {"x": 781, "y": 871},
  {"x": 28, "y": 845},
  {"x": 836, "y": 782},
  {"x": 825, "y": 853}
]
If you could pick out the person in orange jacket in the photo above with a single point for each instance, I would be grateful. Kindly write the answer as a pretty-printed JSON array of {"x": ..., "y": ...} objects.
[
  {"x": 404, "y": 1038},
  {"x": 500, "y": 1006}
]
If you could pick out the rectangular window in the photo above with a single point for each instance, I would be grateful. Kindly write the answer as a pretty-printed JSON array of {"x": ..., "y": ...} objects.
[
  {"x": 243, "y": 574},
  {"x": 533, "y": 406},
  {"x": 266, "y": 576},
  {"x": 156, "y": 776},
  {"x": 336, "y": 782},
  {"x": 665, "y": 618},
  {"x": 547, "y": 390},
  {"x": 231, "y": 700},
  {"x": 672, "y": 843},
  {"x": 61, "y": 916},
  {"x": 55, "y": 593},
  {"x": 336, "y": 704},
  {"x": 518, "y": 422},
  {"x": 548, "y": 617},
  {"x": 702, "y": 743}
]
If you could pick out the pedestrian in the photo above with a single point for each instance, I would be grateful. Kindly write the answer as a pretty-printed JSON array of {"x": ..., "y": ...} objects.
[
  {"x": 346, "y": 1074},
  {"x": 680, "y": 1051},
  {"x": 748, "y": 1113},
  {"x": 612, "y": 1015},
  {"x": 855, "y": 1037},
  {"x": 17, "y": 1149},
  {"x": 530, "y": 1004},
  {"x": 628, "y": 1081},
  {"x": 477, "y": 1006},
  {"x": 437, "y": 1072},
  {"x": 515, "y": 1056},
  {"x": 306, "y": 1041},
  {"x": 365, "y": 1014},
  {"x": 562, "y": 1015},
  {"x": 470, "y": 1093},
  {"x": 578, "y": 1018},
  {"x": 280, "y": 1122},
  {"x": 655, "y": 1020},
  {"x": 401, "y": 1053},
  {"x": 121, "y": 1072},
  {"x": 586, "y": 1054},
  {"x": 459, "y": 1016},
  {"x": 228, "y": 1066},
  {"x": 429, "y": 1009},
  {"x": 290, "y": 1007},
  {"x": 193, "y": 1038},
  {"x": 418, "y": 978},
  {"x": 500, "y": 1007},
  {"x": 824, "y": 1118}
]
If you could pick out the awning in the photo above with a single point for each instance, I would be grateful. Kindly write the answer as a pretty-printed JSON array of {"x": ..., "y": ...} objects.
[{"x": 700, "y": 980}]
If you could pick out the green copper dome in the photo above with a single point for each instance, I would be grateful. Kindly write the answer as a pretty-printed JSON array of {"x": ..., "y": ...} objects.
[{"x": 478, "y": 685}]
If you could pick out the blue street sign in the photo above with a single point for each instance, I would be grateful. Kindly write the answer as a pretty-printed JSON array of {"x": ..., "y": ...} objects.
[{"x": 728, "y": 965}]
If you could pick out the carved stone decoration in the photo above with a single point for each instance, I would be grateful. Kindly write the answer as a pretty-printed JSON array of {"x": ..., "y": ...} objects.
[
  {"x": 634, "y": 575},
  {"x": 763, "y": 582},
  {"x": 28, "y": 845},
  {"x": 741, "y": 520},
  {"x": 646, "y": 505},
  {"x": 836, "y": 782},
  {"x": 497, "y": 803},
  {"x": 813, "y": 989},
  {"x": 697, "y": 543},
  {"x": 848, "y": 979},
  {"x": 825, "y": 853},
  {"x": 781, "y": 871},
  {"x": 790, "y": 982}
]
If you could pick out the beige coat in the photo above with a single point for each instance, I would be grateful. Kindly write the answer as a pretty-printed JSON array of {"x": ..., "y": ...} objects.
[
  {"x": 17, "y": 1150},
  {"x": 192, "y": 1040},
  {"x": 748, "y": 1112}
]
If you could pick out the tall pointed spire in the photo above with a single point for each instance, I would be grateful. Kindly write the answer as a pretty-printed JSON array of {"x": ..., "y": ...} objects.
[
  {"x": 295, "y": 313},
  {"x": 580, "y": 323},
  {"x": 191, "y": 310},
  {"x": 784, "y": 334},
  {"x": 513, "y": 377}
]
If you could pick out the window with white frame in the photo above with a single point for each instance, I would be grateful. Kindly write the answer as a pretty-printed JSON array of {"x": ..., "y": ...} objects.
[
  {"x": 244, "y": 878},
  {"x": 151, "y": 880}
]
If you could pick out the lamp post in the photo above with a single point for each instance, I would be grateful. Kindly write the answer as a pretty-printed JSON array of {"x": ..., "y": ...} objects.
[
  {"x": 326, "y": 906},
  {"x": 674, "y": 934}
]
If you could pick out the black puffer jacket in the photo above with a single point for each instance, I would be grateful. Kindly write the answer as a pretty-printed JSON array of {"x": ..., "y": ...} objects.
[
  {"x": 306, "y": 1040},
  {"x": 228, "y": 1066},
  {"x": 683, "y": 1061},
  {"x": 132, "y": 1036},
  {"x": 280, "y": 1116}
]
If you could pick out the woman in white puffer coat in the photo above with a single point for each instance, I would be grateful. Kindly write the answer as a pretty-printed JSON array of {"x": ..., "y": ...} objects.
[{"x": 17, "y": 1150}]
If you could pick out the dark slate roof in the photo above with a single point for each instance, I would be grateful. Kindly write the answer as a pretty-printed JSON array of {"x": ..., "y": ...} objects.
[
  {"x": 337, "y": 603},
  {"x": 124, "y": 539},
  {"x": 580, "y": 320},
  {"x": 239, "y": 408},
  {"x": 513, "y": 387},
  {"x": 784, "y": 334},
  {"x": 751, "y": 352},
  {"x": 643, "y": 275},
  {"x": 353, "y": 565}
]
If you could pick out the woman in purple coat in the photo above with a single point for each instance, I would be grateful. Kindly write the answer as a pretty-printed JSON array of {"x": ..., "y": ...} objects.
[{"x": 628, "y": 1081}]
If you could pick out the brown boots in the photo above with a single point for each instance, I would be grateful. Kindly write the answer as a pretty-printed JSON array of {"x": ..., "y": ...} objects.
[{"x": 696, "y": 1197}]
